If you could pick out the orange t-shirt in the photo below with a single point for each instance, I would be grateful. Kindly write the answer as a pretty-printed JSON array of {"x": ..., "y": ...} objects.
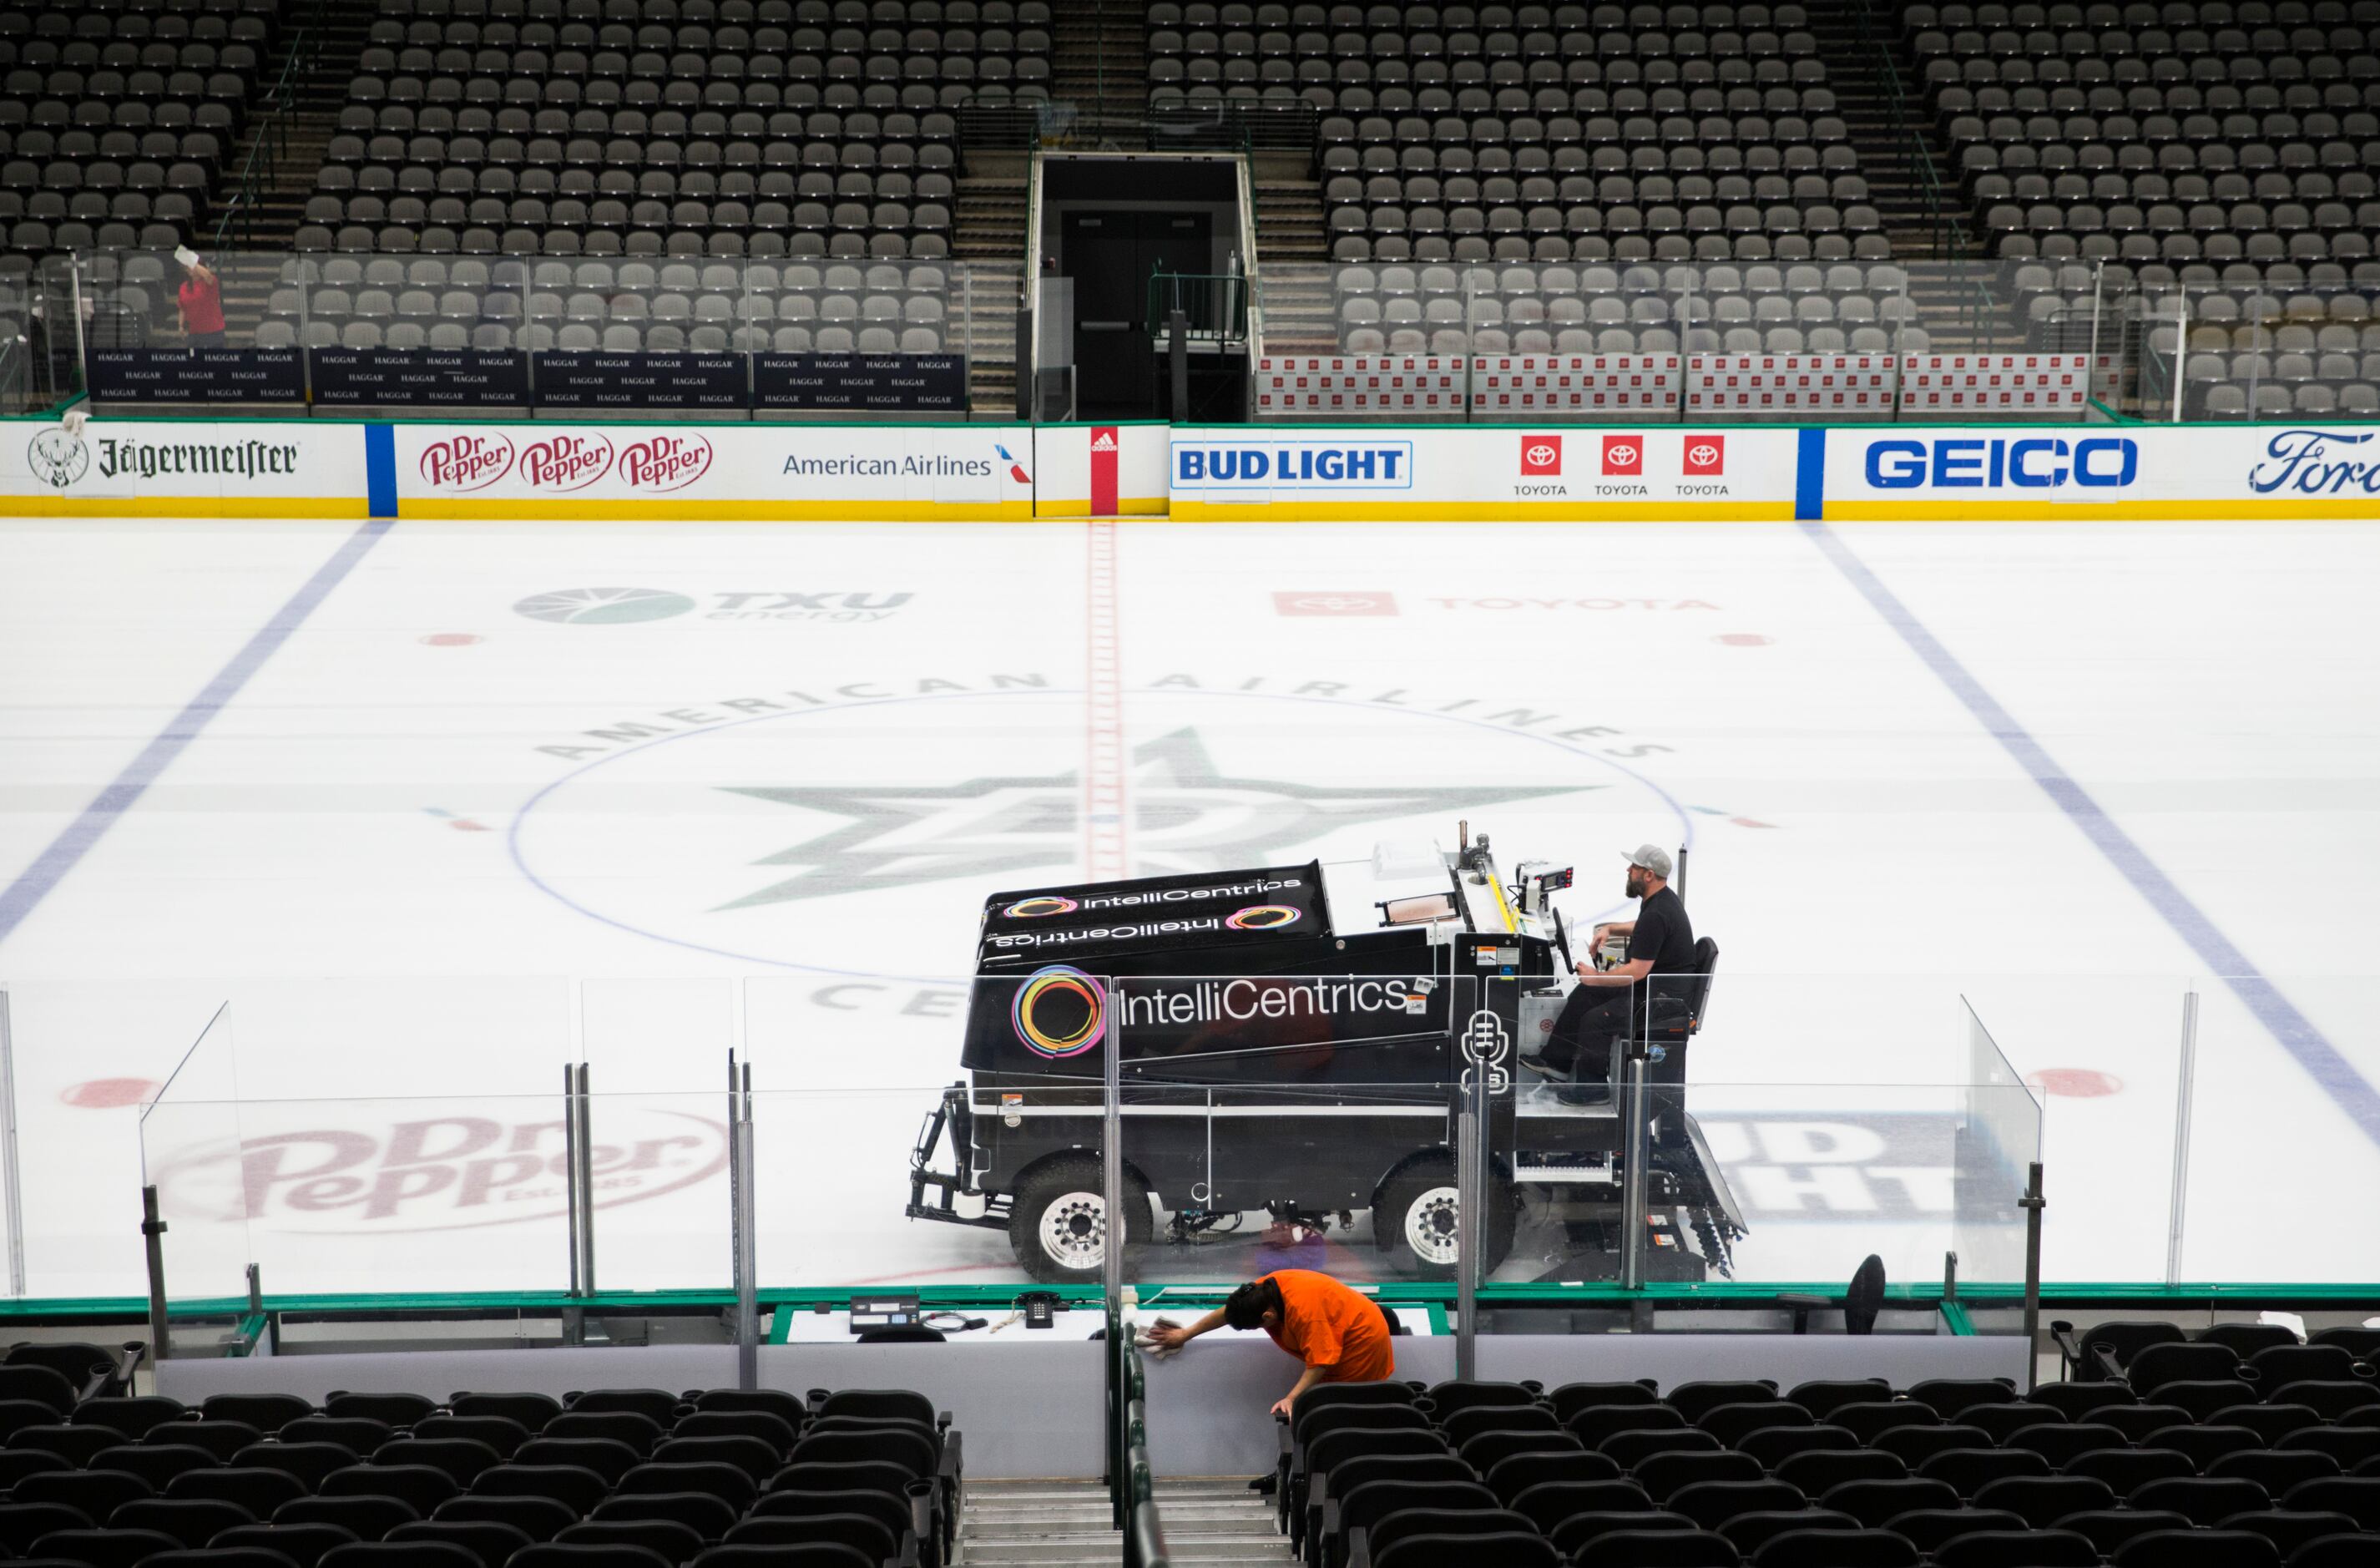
[{"x": 1331, "y": 1328}]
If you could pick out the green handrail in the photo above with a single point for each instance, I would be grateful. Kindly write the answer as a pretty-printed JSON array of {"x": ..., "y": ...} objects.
[
  {"x": 1215, "y": 305},
  {"x": 262, "y": 164},
  {"x": 1132, "y": 1480}
]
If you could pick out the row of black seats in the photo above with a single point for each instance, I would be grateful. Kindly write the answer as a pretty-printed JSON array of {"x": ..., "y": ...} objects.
[
  {"x": 733, "y": 13},
  {"x": 1395, "y": 44},
  {"x": 2142, "y": 13},
  {"x": 2142, "y": 1465},
  {"x": 210, "y": 20},
  {"x": 622, "y": 1478},
  {"x": 1457, "y": 19}
]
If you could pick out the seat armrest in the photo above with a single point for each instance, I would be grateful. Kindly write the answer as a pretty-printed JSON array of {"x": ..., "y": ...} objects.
[
  {"x": 1327, "y": 1530},
  {"x": 1359, "y": 1548}
]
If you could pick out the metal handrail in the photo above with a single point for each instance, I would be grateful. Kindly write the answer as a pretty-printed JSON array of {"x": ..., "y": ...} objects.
[
  {"x": 1216, "y": 305},
  {"x": 271, "y": 133},
  {"x": 1143, "y": 1532},
  {"x": 1950, "y": 227}
]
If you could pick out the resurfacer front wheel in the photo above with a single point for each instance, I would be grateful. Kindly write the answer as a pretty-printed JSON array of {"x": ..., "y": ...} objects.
[{"x": 1058, "y": 1220}]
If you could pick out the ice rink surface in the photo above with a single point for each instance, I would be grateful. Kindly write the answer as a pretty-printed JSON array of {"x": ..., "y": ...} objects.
[{"x": 415, "y": 813}]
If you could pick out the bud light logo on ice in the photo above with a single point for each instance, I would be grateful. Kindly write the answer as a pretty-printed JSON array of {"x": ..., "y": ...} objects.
[
  {"x": 1293, "y": 464},
  {"x": 2030, "y": 463},
  {"x": 2306, "y": 462},
  {"x": 466, "y": 462}
]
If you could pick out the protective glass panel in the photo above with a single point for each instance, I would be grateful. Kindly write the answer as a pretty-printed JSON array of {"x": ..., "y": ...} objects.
[
  {"x": 1703, "y": 324},
  {"x": 192, "y": 1151},
  {"x": 2281, "y": 1066},
  {"x": 375, "y": 1135},
  {"x": 1998, "y": 1141}
]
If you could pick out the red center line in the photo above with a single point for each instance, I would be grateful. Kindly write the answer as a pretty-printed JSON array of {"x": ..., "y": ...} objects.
[{"x": 1105, "y": 808}]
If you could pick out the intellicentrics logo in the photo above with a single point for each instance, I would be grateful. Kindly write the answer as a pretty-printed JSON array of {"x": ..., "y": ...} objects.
[{"x": 1059, "y": 1012}]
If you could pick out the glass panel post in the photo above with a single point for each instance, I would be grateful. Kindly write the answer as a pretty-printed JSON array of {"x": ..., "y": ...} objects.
[{"x": 2181, "y": 1112}]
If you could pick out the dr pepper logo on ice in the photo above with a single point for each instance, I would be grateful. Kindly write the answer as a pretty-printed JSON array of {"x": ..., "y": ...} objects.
[
  {"x": 466, "y": 462},
  {"x": 1541, "y": 455}
]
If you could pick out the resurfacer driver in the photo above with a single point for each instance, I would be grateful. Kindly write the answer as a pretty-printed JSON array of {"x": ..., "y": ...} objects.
[
  {"x": 1340, "y": 1334},
  {"x": 1613, "y": 1004}
]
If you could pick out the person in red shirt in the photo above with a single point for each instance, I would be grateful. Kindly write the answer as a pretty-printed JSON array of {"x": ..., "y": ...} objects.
[
  {"x": 1342, "y": 1335},
  {"x": 200, "y": 299}
]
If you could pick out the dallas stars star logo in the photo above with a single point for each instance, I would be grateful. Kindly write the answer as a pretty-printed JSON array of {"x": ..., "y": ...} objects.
[{"x": 1186, "y": 816}]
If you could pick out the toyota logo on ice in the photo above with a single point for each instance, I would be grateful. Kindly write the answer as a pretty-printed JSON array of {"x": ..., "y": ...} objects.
[
  {"x": 1542, "y": 454},
  {"x": 1703, "y": 456},
  {"x": 1622, "y": 455}
]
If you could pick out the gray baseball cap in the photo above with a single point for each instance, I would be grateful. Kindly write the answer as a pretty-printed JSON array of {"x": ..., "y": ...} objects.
[{"x": 1651, "y": 858}]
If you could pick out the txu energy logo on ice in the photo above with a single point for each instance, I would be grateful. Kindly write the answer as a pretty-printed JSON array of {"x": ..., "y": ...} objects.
[
  {"x": 621, "y": 606},
  {"x": 603, "y": 606}
]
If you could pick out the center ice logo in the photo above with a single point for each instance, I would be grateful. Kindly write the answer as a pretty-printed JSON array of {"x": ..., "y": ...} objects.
[{"x": 603, "y": 606}]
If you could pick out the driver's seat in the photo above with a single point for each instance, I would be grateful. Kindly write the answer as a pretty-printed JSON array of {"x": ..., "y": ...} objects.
[{"x": 1679, "y": 1022}]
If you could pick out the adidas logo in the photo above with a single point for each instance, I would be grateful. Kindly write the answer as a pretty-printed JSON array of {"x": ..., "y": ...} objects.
[{"x": 1103, "y": 442}]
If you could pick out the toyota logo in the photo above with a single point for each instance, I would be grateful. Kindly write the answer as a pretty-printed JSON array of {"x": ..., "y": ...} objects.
[
  {"x": 1542, "y": 454},
  {"x": 1702, "y": 455},
  {"x": 1334, "y": 603},
  {"x": 1621, "y": 453}
]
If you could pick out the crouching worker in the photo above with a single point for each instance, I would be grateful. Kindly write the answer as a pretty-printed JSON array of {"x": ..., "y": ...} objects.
[{"x": 1341, "y": 1334}]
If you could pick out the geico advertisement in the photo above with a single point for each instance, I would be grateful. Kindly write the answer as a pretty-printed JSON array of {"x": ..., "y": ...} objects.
[
  {"x": 2308, "y": 469},
  {"x": 1491, "y": 469},
  {"x": 457, "y": 467}
]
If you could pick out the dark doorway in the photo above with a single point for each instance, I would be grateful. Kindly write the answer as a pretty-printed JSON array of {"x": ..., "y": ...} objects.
[{"x": 1111, "y": 256}]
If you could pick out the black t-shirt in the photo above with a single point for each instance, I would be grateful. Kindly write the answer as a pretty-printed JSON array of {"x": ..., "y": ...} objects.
[{"x": 1665, "y": 935}]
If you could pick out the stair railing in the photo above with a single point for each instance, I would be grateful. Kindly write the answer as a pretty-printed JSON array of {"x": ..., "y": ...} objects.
[
  {"x": 1143, "y": 1532},
  {"x": 236, "y": 226},
  {"x": 1944, "y": 215}
]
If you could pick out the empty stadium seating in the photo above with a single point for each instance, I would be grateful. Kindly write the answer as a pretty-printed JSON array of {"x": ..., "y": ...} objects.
[
  {"x": 2161, "y": 136},
  {"x": 115, "y": 119},
  {"x": 2188, "y": 1454},
  {"x": 770, "y": 130},
  {"x": 606, "y": 1478},
  {"x": 1558, "y": 309}
]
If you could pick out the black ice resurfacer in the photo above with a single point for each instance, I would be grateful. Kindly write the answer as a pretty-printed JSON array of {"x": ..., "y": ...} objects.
[{"x": 1274, "y": 1061}]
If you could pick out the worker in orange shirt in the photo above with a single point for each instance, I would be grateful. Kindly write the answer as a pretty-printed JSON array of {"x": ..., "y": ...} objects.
[{"x": 1341, "y": 1334}]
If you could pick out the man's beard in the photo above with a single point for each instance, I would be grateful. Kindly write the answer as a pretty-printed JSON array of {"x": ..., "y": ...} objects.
[{"x": 1636, "y": 887}]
